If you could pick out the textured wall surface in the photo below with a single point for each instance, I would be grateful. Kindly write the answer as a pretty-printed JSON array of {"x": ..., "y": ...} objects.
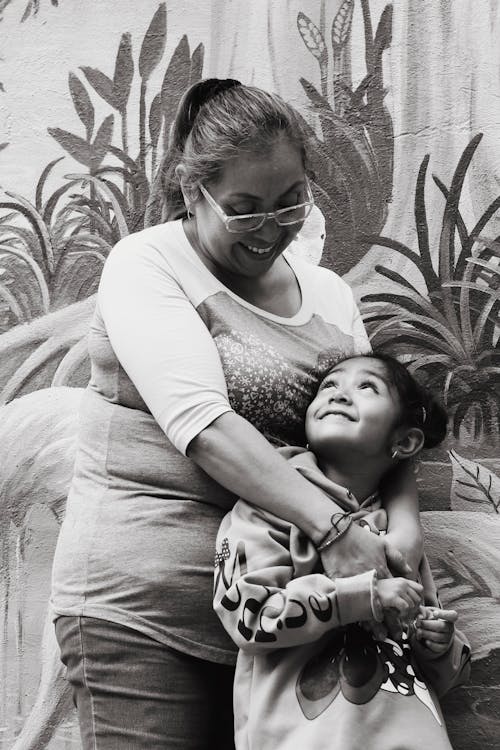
[{"x": 402, "y": 106}]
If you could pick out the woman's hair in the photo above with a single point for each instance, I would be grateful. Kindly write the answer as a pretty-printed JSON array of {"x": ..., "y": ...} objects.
[
  {"x": 419, "y": 407},
  {"x": 217, "y": 120}
]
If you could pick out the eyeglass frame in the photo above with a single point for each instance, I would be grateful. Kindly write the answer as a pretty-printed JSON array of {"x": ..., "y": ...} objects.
[{"x": 264, "y": 215}]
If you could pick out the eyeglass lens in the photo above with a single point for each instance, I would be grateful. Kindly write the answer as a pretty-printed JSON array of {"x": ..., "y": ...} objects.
[{"x": 249, "y": 223}]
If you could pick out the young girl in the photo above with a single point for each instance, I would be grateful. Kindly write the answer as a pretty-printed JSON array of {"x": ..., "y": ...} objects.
[{"x": 314, "y": 669}]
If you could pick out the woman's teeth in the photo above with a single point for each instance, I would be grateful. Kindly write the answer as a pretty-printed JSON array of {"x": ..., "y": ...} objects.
[{"x": 259, "y": 250}]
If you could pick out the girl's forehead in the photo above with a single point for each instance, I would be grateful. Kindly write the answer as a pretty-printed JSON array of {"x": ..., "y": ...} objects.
[{"x": 361, "y": 365}]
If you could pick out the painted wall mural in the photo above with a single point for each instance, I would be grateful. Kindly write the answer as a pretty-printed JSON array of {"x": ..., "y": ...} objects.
[{"x": 399, "y": 101}]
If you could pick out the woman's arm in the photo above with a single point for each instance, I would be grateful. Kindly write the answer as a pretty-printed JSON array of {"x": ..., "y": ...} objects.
[
  {"x": 237, "y": 456},
  {"x": 261, "y": 599},
  {"x": 169, "y": 355},
  {"x": 404, "y": 530}
]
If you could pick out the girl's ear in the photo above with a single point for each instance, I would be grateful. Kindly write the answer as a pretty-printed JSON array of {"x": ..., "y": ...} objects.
[
  {"x": 190, "y": 192},
  {"x": 407, "y": 442}
]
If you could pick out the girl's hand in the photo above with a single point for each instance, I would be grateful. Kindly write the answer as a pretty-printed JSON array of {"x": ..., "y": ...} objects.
[
  {"x": 435, "y": 628},
  {"x": 399, "y": 594}
]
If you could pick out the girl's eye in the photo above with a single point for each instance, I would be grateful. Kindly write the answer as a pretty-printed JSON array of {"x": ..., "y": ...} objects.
[
  {"x": 329, "y": 384},
  {"x": 369, "y": 384}
]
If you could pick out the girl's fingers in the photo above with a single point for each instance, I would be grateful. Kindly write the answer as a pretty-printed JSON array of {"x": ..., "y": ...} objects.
[
  {"x": 434, "y": 613},
  {"x": 423, "y": 635},
  {"x": 435, "y": 626},
  {"x": 436, "y": 647}
]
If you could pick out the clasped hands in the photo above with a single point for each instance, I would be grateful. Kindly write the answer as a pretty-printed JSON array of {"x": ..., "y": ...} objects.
[{"x": 400, "y": 597}]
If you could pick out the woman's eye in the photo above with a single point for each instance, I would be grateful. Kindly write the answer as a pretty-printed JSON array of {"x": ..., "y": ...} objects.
[
  {"x": 369, "y": 384},
  {"x": 291, "y": 201},
  {"x": 239, "y": 210}
]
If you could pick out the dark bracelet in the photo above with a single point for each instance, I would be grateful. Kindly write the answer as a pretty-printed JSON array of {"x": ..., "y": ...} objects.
[{"x": 334, "y": 534}]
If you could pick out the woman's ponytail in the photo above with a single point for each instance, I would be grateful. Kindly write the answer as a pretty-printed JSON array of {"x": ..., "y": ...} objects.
[{"x": 189, "y": 106}]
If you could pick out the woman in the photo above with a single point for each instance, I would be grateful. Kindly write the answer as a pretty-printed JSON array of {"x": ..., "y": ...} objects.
[{"x": 207, "y": 345}]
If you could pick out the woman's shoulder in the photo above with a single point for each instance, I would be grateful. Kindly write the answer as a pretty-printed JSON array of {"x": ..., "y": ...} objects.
[
  {"x": 160, "y": 249},
  {"x": 163, "y": 238},
  {"x": 158, "y": 257}
]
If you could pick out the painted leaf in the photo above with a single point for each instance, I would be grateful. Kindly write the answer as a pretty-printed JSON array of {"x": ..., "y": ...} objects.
[
  {"x": 153, "y": 45},
  {"x": 42, "y": 429},
  {"x": 311, "y": 36},
  {"x": 176, "y": 78},
  {"x": 101, "y": 83},
  {"x": 318, "y": 101},
  {"x": 197, "y": 59},
  {"x": 2, "y": 88},
  {"x": 464, "y": 554},
  {"x": 41, "y": 182},
  {"x": 155, "y": 118},
  {"x": 109, "y": 191},
  {"x": 3, "y": 145},
  {"x": 30, "y": 8},
  {"x": 77, "y": 277},
  {"x": 124, "y": 72},
  {"x": 383, "y": 35},
  {"x": 102, "y": 141},
  {"x": 341, "y": 26},
  {"x": 474, "y": 487},
  {"x": 83, "y": 106},
  {"x": 77, "y": 147}
]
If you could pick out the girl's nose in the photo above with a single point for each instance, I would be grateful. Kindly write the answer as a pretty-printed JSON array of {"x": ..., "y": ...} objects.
[{"x": 340, "y": 395}]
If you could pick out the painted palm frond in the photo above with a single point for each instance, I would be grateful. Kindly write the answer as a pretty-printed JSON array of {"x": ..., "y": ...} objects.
[
  {"x": 352, "y": 159},
  {"x": 52, "y": 250},
  {"x": 454, "y": 324}
]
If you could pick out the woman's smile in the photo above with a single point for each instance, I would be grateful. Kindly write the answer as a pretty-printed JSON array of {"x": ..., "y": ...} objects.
[{"x": 258, "y": 250}]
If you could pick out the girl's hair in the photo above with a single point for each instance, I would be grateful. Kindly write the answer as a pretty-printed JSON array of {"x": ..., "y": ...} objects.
[
  {"x": 419, "y": 407},
  {"x": 216, "y": 120}
]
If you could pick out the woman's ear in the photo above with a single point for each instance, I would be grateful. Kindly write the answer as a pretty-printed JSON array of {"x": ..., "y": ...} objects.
[
  {"x": 190, "y": 192},
  {"x": 407, "y": 442}
]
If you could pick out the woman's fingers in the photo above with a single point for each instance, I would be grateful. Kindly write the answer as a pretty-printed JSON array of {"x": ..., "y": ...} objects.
[
  {"x": 354, "y": 552},
  {"x": 396, "y": 560}
]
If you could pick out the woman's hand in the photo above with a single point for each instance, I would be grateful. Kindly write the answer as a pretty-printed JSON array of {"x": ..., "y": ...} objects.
[
  {"x": 435, "y": 628},
  {"x": 396, "y": 557},
  {"x": 356, "y": 551},
  {"x": 400, "y": 500},
  {"x": 400, "y": 595}
]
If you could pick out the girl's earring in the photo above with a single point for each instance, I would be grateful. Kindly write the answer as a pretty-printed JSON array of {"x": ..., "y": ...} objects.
[{"x": 394, "y": 454}]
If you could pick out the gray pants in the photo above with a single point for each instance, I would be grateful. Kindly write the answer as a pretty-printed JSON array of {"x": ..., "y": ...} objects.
[{"x": 132, "y": 692}]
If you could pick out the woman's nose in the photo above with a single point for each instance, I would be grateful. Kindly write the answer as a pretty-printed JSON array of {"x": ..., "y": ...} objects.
[{"x": 269, "y": 232}]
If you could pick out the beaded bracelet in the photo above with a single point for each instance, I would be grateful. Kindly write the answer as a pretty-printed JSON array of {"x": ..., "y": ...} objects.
[{"x": 328, "y": 539}]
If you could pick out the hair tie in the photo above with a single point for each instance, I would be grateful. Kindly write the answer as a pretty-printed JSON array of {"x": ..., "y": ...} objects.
[{"x": 203, "y": 92}]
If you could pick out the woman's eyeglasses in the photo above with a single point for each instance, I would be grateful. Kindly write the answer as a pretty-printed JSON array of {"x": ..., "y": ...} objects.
[{"x": 241, "y": 223}]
